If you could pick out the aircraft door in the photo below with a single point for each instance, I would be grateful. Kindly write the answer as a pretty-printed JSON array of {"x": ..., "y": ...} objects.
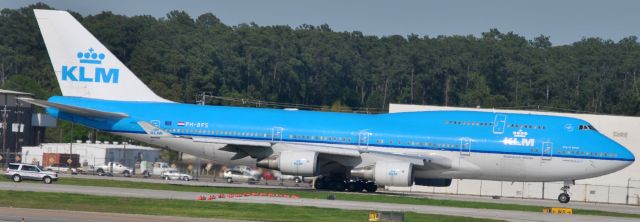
[
  {"x": 276, "y": 133},
  {"x": 499, "y": 123},
  {"x": 465, "y": 146},
  {"x": 156, "y": 131},
  {"x": 547, "y": 150},
  {"x": 363, "y": 139}
]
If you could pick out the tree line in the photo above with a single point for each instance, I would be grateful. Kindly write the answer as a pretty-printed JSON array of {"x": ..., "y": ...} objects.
[{"x": 180, "y": 56}]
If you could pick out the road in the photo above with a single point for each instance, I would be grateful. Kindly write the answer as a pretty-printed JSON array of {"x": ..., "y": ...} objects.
[{"x": 517, "y": 216}]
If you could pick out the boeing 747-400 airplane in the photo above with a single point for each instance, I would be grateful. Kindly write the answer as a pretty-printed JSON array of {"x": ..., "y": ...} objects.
[{"x": 346, "y": 151}]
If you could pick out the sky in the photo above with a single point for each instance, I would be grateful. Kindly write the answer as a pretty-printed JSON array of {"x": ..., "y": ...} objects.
[{"x": 565, "y": 21}]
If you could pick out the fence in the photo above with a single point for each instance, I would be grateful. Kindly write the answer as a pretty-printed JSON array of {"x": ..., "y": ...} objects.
[{"x": 629, "y": 194}]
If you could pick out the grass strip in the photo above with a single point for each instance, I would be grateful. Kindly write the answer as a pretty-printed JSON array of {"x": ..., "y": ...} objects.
[{"x": 201, "y": 209}]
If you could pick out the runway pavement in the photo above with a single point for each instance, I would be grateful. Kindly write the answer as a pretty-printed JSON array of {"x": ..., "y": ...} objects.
[
  {"x": 291, "y": 185},
  {"x": 517, "y": 216}
]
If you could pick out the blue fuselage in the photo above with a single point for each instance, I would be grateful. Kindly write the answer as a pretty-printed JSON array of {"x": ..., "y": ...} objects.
[{"x": 455, "y": 131}]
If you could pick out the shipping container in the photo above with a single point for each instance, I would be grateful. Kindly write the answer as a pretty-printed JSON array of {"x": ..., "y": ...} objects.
[{"x": 52, "y": 158}]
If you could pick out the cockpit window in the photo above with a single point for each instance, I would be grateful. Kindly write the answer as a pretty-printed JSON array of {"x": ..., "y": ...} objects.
[{"x": 587, "y": 127}]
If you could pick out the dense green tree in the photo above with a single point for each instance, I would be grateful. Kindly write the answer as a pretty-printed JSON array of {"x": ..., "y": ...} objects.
[{"x": 181, "y": 56}]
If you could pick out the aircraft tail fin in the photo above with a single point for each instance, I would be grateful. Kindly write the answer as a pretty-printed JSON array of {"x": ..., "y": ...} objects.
[{"x": 84, "y": 67}]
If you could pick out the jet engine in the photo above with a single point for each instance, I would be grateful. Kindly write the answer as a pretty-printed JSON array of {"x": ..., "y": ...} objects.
[
  {"x": 299, "y": 163},
  {"x": 387, "y": 173}
]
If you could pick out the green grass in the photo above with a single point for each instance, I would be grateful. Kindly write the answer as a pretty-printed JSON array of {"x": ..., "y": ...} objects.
[
  {"x": 202, "y": 209},
  {"x": 383, "y": 198}
]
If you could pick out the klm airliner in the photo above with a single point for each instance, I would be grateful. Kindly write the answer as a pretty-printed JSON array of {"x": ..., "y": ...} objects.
[{"x": 354, "y": 152}]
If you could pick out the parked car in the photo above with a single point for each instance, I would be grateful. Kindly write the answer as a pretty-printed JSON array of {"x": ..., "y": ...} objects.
[
  {"x": 175, "y": 175},
  {"x": 112, "y": 168},
  {"x": 62, "y": 167},
  {"x": 243, "y": 176},
  {"x": 20, "y": 171},
  {"x": 158, "y": 168}
]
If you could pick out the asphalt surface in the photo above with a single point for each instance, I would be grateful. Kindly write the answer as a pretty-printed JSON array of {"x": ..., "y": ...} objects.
[
  {"x": 42, "y": 215},
  {"x": 517, "y": 216},
  {"x": 620, "y": 208},
  {"x": 292, "y": 185}
]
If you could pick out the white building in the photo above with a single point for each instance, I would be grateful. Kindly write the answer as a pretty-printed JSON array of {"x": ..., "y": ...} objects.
[
  {"x": 94, "y": 154},
  {"x": 619, "y": 187}
]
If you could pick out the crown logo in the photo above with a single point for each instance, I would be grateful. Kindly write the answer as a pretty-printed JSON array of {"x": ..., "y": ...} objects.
[
  {"x": 520, "y": 133},
  {"x": 90, "y": 57}
]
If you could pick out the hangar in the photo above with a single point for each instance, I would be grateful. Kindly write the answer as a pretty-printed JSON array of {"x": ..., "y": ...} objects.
[{"x": 622, "y": 187}]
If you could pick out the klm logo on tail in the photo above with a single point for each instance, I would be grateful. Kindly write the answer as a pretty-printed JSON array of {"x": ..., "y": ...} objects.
[{"x": 85, "y": 74}]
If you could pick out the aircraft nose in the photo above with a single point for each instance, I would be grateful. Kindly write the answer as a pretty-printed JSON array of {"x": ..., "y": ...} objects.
[
  {"x": 625, "y": 154},
  {"x": 632, "y": 158}
]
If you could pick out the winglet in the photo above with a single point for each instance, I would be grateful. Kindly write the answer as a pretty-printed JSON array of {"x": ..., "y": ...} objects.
[{"x": 153, "y": 130}]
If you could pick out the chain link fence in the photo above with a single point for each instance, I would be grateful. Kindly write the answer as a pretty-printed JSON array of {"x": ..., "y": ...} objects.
[{"x": 629, "y": 194}]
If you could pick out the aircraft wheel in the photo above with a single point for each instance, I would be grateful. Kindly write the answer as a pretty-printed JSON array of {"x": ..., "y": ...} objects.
[
  {"x": 371, "y": 187},
  {"x": 351, "y": 187},
  {"x": 317, "y": 183},
  {"x": 564, "y": 198}
]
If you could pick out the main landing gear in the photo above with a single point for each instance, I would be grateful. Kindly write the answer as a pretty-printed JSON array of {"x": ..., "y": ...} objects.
[
  {"x": 359, "y": 185},
  {"x": 564, "y": 196}
]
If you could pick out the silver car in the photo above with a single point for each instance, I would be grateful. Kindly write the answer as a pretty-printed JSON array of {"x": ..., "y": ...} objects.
[
  {"x": 62, "y": 167},
  {"x": 175, "y": 175},
  {"x": 244, "y": 176},
  {"x": 19, "y": 171}
]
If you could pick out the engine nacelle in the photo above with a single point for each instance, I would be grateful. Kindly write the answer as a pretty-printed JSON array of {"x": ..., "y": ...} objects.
[
  {"x": 298, "y": 163},
  {"x": 387, "y": 173},
  {"x": 433, "y": 182}
]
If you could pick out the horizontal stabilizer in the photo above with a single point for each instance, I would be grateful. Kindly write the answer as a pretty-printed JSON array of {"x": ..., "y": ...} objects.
[{"x": 74, "y": 109}]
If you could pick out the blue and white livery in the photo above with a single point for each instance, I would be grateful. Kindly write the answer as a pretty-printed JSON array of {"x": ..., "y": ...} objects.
[{"x": 346, "y": 151}]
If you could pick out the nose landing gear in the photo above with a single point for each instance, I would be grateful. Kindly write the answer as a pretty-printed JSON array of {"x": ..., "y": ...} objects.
[{"x": 564, "y": 196}]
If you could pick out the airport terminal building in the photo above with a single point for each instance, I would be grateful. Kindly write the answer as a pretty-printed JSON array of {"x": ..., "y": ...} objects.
[
  {"x": 619, "y": 187},
  {"x": 20, "y": 125}
]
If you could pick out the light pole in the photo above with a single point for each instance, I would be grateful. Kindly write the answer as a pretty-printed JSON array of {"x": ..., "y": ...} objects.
[
  {"x": 628, "y": 184},
  {"x": 4, "y": 135}
]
